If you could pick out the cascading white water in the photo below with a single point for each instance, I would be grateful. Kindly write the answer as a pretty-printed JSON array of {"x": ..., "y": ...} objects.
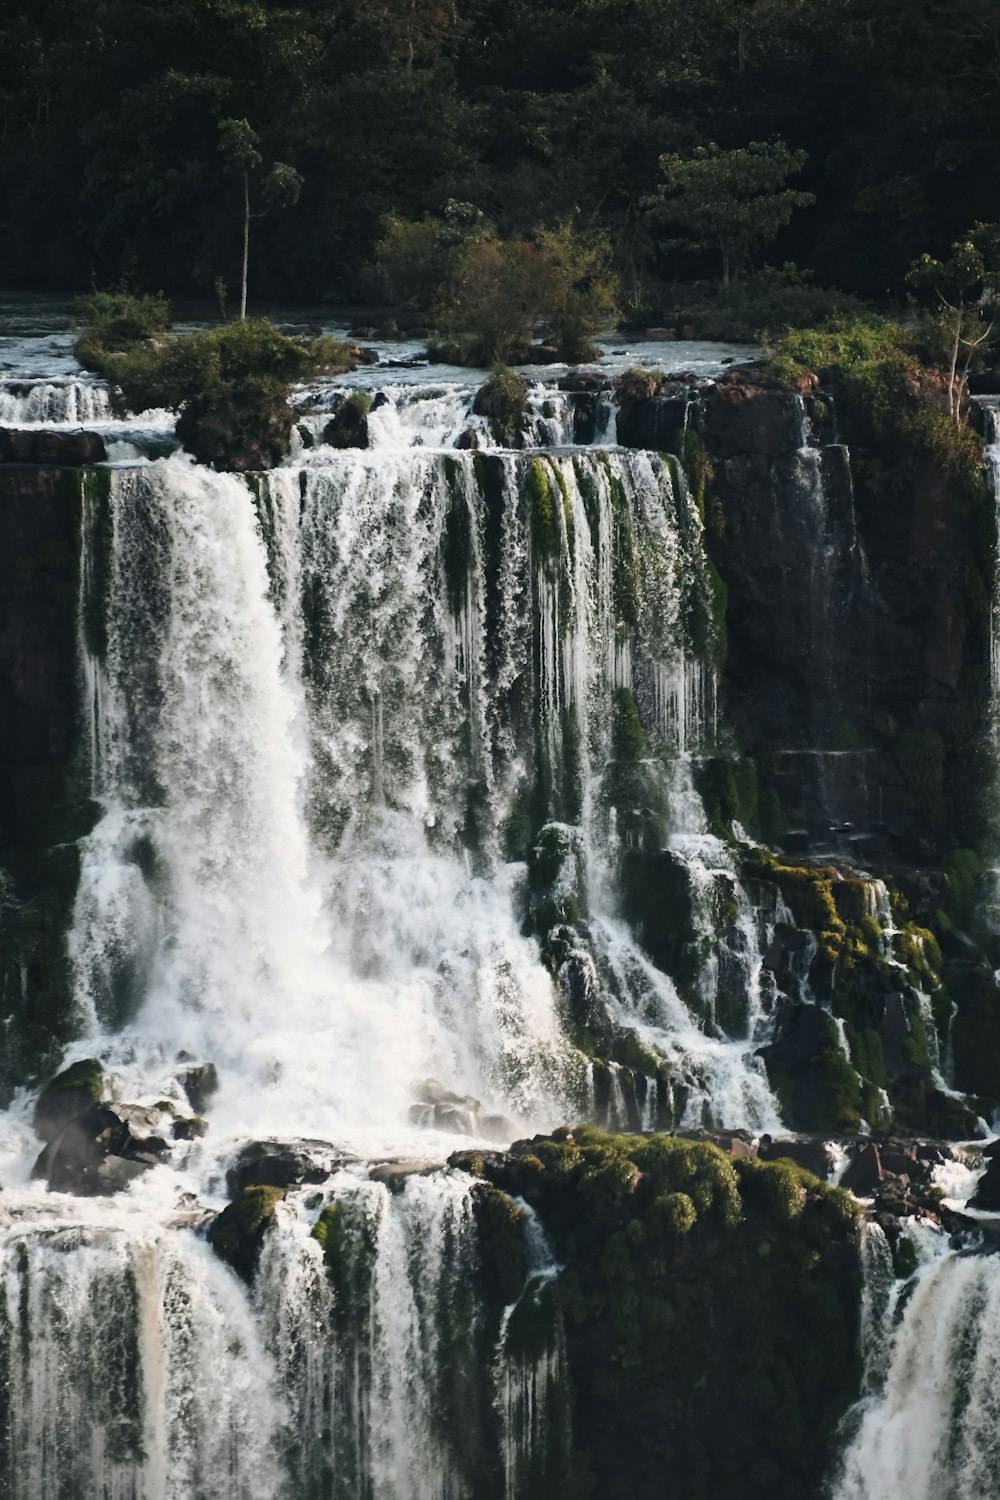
[
  {"x": 53, "y": 402},
  {"x": 319, "y": 705},
  {"x": 528, "y": 1373},
  {"x": 929, "y": 1425},
  {"x": 131, "y": 1366}
]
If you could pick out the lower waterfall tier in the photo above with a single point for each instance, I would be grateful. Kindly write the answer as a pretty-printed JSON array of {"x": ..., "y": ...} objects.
[{"x": 415, "y": 1334}]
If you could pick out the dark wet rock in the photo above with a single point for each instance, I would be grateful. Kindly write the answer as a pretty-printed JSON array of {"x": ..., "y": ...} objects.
[
  {"x": 863, "y": 1174},
  {"x": 987, "y": 1194},
  {"x": 656, "y": 422},
  {"x": 740, "y": 420},
  {"x": 582, "y": 381},
  {"x": 189, "y": 1128},
  {"x": 468, "y": 439},
  {"x": 584, "y": 417},
  {"x": 199, "y": 1081},
  {"x": 557, "y": 878},
  {"x": 71, "y": 448},
  {"x": 348, "y": 427},
  {"x": 67, "y": 1096},
  {"x": 281, "y": 1164},
  {"x": 237, "y": 1234},
  {"x": 305, "y": 436},
  {"x": 813, "y": 1154},
  {"x": 102, "y": 1150},
  {"x": 818, "y": 1086}
]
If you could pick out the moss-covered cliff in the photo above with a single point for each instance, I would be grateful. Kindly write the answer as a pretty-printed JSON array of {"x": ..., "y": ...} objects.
[{"x": 710, "y": 1306}]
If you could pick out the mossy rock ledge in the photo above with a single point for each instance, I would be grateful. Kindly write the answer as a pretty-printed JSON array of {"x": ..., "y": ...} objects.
[{"x": 701, "y": 1294}]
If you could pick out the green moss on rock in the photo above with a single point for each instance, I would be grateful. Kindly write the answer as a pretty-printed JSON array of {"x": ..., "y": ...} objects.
[
  {"x": 237, "y": 1234},
  {"x": 67, "y": 1096},
  {"x": 700, "y": 1295}
]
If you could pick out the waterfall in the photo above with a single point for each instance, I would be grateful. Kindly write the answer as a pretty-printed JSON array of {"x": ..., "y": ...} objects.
[
  {"x": 369, "y": 738},
  {"x": 318, "y": 705},
  {"x": 107, "y": 1333},
  {"x": 64, "y": 402},
  {"x": 928, "y": 1425}
]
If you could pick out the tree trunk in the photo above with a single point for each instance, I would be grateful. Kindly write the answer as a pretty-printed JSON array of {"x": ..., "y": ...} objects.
[
  {"x": 953, "y": 403},
  {"x": 725, "y": 264},
  {"x": 246, "y": 244}
]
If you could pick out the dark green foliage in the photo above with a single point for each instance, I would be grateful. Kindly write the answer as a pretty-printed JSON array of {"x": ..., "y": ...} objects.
[
  {"x": 701, "y": 1295},
  {"x": 111, "y": 130},
  {"x": 734, "y": 201},
  {"x": 230, "y": 386},
  {"x": 113, "y": 322}
]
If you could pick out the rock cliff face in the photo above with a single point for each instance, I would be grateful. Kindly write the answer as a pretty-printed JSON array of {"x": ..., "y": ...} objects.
[
  {"x": 43, "y": 801},
  {"x": 859, "y": 577}
]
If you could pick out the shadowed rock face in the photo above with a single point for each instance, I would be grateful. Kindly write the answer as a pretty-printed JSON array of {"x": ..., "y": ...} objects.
[
  {"x": 27, "y": 445},
  {"x": 858, "y": 607},
  {"x": 43, "y": 807}
]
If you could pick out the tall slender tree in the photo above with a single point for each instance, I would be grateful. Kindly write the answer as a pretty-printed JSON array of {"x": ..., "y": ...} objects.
[{"x": 281, "y": 187}]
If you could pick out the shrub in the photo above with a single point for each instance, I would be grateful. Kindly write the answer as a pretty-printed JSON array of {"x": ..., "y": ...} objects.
[
  {"x": 112, "y": 322},
  {"x": 230, "y": 385},
  {"x": 490, "y": 308},
  {"x": 416, "y": 258},
  {"x": 579, "y": 286}
]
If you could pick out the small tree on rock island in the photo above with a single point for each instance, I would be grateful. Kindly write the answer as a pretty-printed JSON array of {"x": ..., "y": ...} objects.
[
  {"x": 280, "y": 188},
  {"x": 733, "y": 201},
  {"x": 966, "y": 292}
]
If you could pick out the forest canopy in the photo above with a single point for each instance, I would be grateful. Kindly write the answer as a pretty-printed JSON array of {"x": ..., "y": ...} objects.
[{"x": 545, "y": 113}]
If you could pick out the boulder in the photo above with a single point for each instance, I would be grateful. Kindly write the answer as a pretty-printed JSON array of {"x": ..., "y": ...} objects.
[
  {"x": 987, "y": 1194},
  {"x": 67, "y": 1096},
  {"x": 438, "y": 1108},
  {"x": 102, "y": 1150},
  {"x": 396, "y": 1174},
  {"x": 348, "y": 427},
  {"x": 863, "y": 1175},
  {"x": 199, "y": 1081},
  {"x": 237, "y": 1234},
  {"x": 814, "y": 1155},
  {"x": 280, "y": 1164}
]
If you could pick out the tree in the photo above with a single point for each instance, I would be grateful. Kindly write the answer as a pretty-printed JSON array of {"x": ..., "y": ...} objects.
[
  {"x": 579, "y": 286},
  {"x": 965, "y": 291},
  {"x": 280, "y": 188},
  {"x": 734, "y": 200}
]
